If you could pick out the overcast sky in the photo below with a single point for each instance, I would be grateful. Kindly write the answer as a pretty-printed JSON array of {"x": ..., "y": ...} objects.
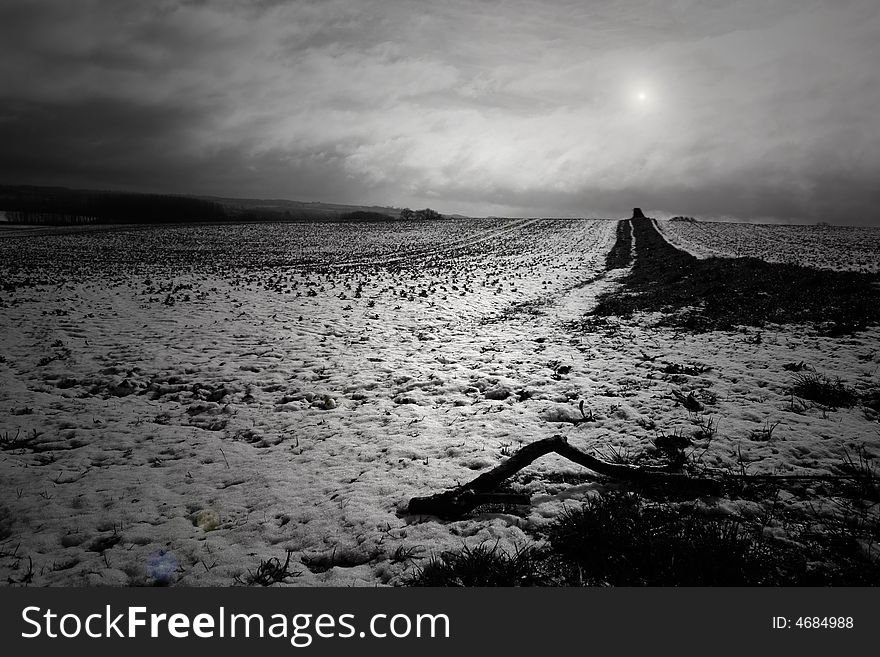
[{"x": 520, "y": 107}]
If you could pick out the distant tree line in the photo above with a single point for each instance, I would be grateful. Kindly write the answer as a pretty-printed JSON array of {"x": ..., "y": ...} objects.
[
  {"x": 406, "y": 214},
  {"x": 420, "y": 215},
  {"x": 41, "y": 205},
  {"x": 61, "y": 206}
]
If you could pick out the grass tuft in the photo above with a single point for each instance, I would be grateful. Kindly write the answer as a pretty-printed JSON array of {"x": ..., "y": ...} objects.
[
  {"x": 485, "y": 565},
  {"x": 820, "y": 389},
  {"x": 624, "y": 539},
  {"x": 620, "y": 540},
  {"x": 270, "y": 571}
]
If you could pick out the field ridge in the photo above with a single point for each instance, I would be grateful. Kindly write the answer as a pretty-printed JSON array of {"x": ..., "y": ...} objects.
[{"x": 723, "y": 293}]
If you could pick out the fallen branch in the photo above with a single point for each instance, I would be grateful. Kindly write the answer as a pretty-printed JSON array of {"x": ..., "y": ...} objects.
[{"x": 457, "y": 501}]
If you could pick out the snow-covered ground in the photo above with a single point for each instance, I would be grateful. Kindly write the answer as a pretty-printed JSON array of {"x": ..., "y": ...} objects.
[
  {"x": 202, "y": 398},
  {"x": 821, "y": 246}
]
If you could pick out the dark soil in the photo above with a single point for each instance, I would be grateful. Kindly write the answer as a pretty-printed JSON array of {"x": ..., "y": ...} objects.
[
  {"x": 723, "y": 293},
  {"x": 620, "y": 255}
]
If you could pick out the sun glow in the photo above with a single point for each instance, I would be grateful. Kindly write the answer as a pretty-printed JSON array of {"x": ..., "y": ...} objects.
[{"x": 642, "y": 98}]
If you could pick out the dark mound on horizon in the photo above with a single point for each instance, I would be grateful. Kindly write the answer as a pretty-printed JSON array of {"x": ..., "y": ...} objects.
[{"x": 722, "y": 293}]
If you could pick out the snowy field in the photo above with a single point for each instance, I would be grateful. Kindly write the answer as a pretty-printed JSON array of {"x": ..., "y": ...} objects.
[
  {"x": 850, "y": 248},
  {"x": 195, "y": 400}
]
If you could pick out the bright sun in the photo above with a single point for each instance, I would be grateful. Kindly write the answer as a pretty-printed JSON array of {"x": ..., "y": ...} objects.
[{"x": 641, "y": 96}]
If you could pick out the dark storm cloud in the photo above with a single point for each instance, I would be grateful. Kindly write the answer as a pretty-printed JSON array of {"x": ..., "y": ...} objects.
[
  {"x": 747, "y": 109},
  {"x": 119, "y": 145},
  {"x": 92, "y": 141}
]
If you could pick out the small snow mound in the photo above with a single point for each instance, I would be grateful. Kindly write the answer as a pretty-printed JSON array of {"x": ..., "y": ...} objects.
[
  {"x": 328, "y": 403},
  {"x": 561, "y": 413},
  {"x": 498, "y": 392},
  {"x": 124, "y": 388},
  {"x": 207, "y": 520}
]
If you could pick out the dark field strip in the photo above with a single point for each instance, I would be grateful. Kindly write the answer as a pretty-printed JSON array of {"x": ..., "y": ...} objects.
[
  {"x": 620, "y": 255},
  {"x": 722, "y": 293}
]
